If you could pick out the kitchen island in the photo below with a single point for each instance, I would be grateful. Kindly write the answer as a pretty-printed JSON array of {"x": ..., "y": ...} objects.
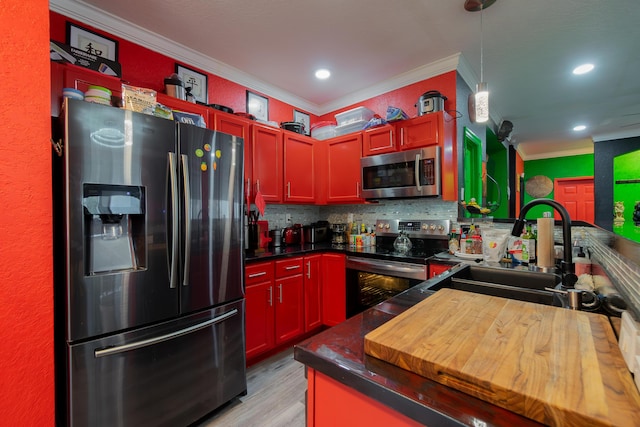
[
  {"x": 372, "y": 392},
  {"x": 348, "y": 387}
]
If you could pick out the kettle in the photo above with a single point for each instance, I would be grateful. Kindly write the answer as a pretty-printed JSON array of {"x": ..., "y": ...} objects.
[
  {"x": 402, "y": 244},
  {"x": 174, "y": 87}
]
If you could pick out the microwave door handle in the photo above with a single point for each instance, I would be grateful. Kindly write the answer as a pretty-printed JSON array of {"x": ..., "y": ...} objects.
[{"x": 417, "y": 173}]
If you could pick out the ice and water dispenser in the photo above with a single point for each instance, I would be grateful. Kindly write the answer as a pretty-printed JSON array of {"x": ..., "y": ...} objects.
[{"x": 114, "y": 227}]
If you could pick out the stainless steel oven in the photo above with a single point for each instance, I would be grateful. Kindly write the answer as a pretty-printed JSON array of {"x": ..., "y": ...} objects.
[
  {"x": 371, "y": 281},
  {"x": 411, "y": 173},
  {"x": 382, "y": 273}
]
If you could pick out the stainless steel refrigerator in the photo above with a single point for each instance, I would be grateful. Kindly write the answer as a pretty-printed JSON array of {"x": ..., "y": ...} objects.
[{"x": 149, "y": 293}]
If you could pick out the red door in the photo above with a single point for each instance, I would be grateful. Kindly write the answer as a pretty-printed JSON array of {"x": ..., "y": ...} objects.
[{"x": 576, "y": 195}]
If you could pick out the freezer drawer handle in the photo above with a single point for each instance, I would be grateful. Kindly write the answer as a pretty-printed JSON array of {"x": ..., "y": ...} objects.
[{"x": 152, "y": 341}]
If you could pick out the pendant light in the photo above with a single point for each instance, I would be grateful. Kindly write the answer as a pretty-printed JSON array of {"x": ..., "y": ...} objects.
[{"x": 481, "y": 95}]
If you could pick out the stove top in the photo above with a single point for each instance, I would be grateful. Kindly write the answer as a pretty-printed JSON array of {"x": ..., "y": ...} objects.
[{"x": 428, "y": 237}]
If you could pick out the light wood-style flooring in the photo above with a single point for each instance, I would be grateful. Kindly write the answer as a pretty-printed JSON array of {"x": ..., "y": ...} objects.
[{"x": 275, "y": 396}]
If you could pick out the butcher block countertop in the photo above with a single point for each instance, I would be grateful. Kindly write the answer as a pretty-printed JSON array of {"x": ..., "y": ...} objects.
[{"x": 552, "y": 365}]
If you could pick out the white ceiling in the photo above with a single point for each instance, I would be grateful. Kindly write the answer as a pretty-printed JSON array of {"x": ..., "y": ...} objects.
[{"x": 372, "y": 46}]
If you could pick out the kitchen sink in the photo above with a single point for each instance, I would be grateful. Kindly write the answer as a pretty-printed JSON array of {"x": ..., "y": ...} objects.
[{"x": 522, "y": 285}]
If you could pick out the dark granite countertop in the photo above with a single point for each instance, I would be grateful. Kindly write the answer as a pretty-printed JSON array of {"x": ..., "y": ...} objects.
[{"x": 338, "y": 352}]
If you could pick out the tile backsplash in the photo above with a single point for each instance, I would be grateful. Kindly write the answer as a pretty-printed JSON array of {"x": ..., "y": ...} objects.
[{"x": 427, "y": 208}]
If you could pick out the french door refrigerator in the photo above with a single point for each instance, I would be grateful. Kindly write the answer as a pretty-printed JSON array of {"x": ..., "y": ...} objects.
[{"x": 149, "y": 307}]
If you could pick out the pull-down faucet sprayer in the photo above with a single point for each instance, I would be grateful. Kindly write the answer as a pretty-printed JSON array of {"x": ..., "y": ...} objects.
[{"x": 569, "y": 278}]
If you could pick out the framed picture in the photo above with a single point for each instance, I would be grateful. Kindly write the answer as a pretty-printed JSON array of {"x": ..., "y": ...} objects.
[
  {"x": 196, "y": 81},
  {"x": 258, "y": 106},
  {"x": 90, "y": 42},
  {"x": 300, "y": 117}
]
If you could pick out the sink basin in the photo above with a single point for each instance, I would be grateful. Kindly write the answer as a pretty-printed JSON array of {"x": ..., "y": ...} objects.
[{"x": 520, "y": 285}]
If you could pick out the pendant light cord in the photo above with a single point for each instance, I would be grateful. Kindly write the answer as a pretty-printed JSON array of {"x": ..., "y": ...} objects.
[{"x": 481, "y": 44}]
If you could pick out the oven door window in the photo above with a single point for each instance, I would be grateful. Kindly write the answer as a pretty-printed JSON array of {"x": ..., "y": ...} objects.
[{"x": 365, "y": 290}]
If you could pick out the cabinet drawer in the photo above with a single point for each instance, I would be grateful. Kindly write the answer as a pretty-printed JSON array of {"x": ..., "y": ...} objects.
[
  {"x": 288, "y": 267},
  {"x": 258, "y": 273}
]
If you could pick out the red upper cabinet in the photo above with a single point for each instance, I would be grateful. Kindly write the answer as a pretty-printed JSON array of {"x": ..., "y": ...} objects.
[
  {"x": 266, "y": 155},
  {"x": 421, "y": 131},
  {"x": 343, "y": 180},
  {"x": 299, "y": 168},
  {"x": 234, "y": 125},
  {"x": 379, "y": 140}
]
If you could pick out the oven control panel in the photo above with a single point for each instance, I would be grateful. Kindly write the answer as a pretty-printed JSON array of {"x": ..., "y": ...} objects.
[{"x": 434, "y": 228}]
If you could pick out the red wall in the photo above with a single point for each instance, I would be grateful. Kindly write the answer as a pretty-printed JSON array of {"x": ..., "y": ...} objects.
[
  {"x": 406, "y": 97},
  {"x": 146, "y": 68},
  {"x": 26, "y": 276}
]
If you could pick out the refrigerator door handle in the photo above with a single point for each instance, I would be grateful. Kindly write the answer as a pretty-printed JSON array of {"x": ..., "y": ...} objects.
[
  {"x": 187, "y": 219},
  {"x": 175, "y": 212},
  {"x": 110, "y": 351}
]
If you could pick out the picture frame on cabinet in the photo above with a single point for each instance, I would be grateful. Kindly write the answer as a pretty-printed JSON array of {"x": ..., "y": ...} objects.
[
  {"x": 195, "y": 80},
  {"x": 258, "y": 106},
  {"x": 91, "y": 42},
  {"x": 300, "y": 117}
]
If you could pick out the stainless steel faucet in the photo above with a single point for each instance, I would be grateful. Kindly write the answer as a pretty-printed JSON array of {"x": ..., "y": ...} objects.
[{"x": 569, "y": 278}]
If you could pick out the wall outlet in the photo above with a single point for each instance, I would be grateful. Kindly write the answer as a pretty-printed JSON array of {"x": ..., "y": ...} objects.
[
  {"x": 287, "y": 218},
  {"x": 350, "y": 218}
]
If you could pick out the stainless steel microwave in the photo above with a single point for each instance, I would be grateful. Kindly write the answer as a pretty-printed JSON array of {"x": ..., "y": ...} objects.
[{"x": 411, "y": 173}]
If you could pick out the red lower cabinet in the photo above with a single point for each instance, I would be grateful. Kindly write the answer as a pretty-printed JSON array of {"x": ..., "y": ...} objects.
[
  {"x": 312, "y": 292},
  {"x": 334, "y": 293},
  {"x": 436, "y": 268},
  {"x": 333, "y": 404},
  {"x": 259, "y": 309},
  {"x": 289, "y": 311}
]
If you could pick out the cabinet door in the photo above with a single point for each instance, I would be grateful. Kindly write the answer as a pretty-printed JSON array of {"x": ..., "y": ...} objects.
[
  {"x": 421, "y": 131},
  {"x": 438, "y": 268},
  {"x": 266, "y": 153},
  {"x": 343, "y": 178},
  {"x": 312, "y": 292},
  {"x": 379, "y": 140},
  {"x": 299, "y": 168},
  {"x": 259, "y": 318},
  {"x": 334, "y": 289},
  {"x": 289, "y": 308},
  {"x": 259, "y": 312},
  {"x": 234, "y": 125}
]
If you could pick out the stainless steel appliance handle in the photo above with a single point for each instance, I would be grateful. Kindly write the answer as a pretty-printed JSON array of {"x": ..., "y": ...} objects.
[
  {"x": 152, "y": 341},
  {"x": 187, "y": 219},
  {"x": 262, "y": 273},
  {"x": 173, "y": 259},
  {"x": 389, "y": 268},
  {"x": 416, "y": 170}
]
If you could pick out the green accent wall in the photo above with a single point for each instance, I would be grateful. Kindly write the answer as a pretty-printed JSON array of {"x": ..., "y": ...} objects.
[
  {"x": 497, "y": 168},
  {"x": 558, "y": 167},
  {"x": 625, "y": 190}
]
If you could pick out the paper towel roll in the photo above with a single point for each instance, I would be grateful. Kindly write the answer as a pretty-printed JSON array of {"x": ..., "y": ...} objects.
[{"x": 546, "y": 252}]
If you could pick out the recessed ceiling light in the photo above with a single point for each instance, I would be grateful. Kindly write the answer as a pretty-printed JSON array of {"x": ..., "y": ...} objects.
[
  {"x": 579, "y": 128},
  {"x": 582, "y": 69},
  {"x": 323, "y": 73}
]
